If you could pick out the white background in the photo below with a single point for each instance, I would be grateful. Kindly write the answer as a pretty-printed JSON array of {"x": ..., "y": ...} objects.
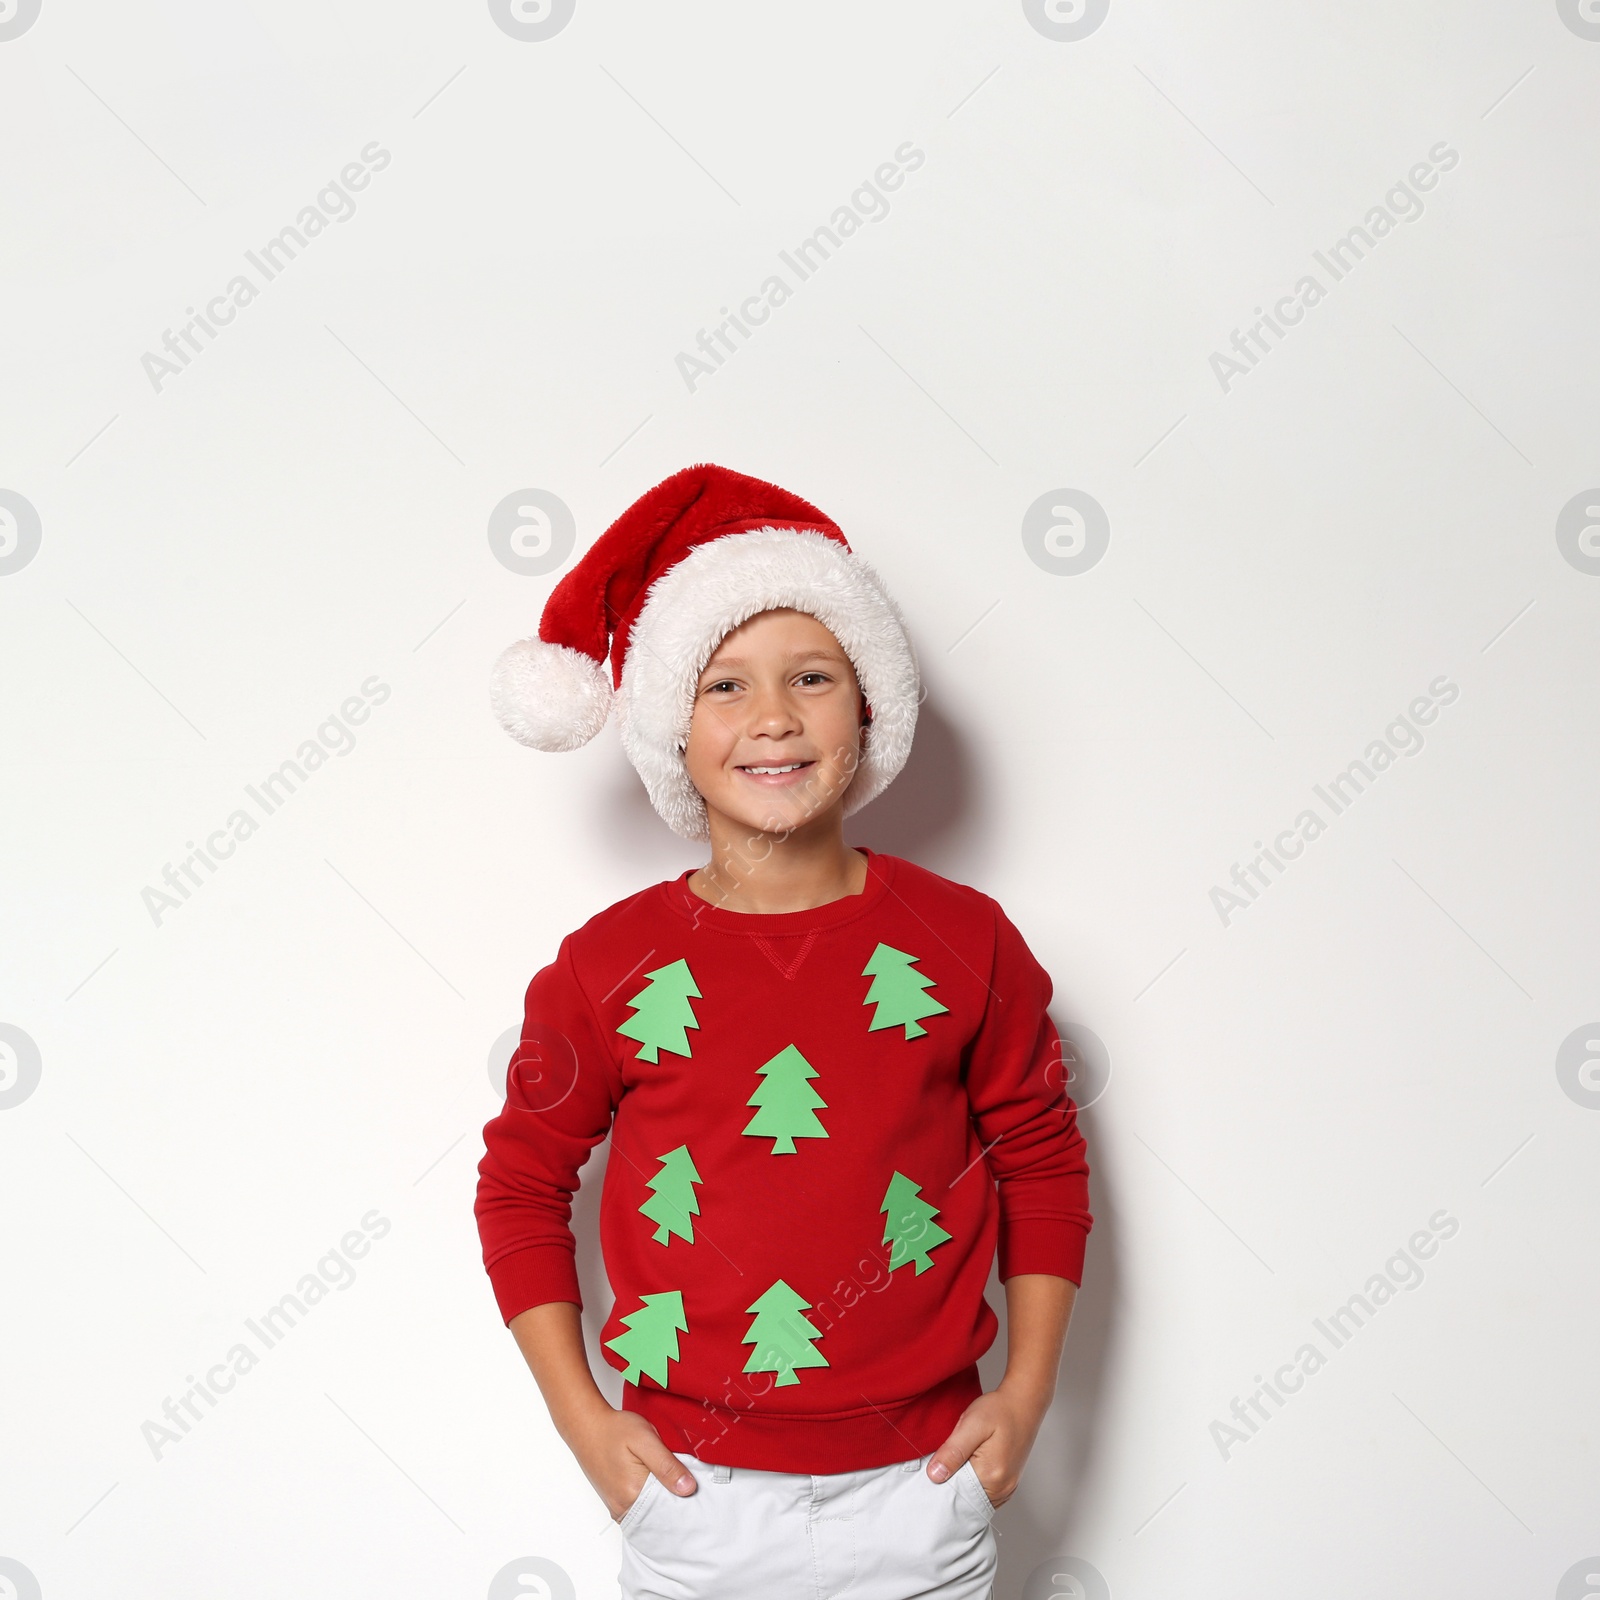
[{"x": 308, "y": 1037}]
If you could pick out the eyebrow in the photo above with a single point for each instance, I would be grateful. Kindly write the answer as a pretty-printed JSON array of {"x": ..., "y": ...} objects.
[{"x": 792, "y": 657}]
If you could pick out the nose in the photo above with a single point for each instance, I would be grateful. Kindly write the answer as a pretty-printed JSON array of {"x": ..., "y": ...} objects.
[{"x": 772, "y": 712}]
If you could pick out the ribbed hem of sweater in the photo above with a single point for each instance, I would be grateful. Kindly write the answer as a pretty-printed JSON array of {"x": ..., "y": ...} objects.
[{"x": 877, "y": 1435}]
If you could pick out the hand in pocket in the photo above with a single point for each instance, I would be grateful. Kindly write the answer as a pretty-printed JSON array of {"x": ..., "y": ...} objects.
[{"x": 619, "y": 1451}]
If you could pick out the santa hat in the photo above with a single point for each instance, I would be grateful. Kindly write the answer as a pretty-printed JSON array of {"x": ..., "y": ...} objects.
[{"x": 665, "y": 584}]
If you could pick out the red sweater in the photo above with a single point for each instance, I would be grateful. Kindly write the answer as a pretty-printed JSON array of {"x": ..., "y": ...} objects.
[{"x": 822, "y": 1124}]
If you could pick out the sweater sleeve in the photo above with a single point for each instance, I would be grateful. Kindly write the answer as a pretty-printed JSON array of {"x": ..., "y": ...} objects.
[
  {"x": 1024, "y": 1119},
  {"x": 561, "y": 1094}
]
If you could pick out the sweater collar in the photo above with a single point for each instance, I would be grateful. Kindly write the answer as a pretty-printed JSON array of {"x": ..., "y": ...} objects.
[{"x": 683, "y": 899}]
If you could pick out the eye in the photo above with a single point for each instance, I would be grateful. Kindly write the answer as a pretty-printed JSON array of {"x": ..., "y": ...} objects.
[
  {"x": 821, "y": 676},
  {"x": 721, "y": 683}
]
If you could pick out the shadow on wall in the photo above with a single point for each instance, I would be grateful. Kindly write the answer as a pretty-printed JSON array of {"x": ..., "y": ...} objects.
[
  {"x": 1043, "y": 1519},
  {"x": 920, "y": 815}
]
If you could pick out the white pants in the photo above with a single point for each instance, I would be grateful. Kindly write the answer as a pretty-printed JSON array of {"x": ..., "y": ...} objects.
[{"x": 882, "y": 1533}]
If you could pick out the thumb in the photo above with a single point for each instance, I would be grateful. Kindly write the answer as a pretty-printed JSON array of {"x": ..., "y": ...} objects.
[
  {"x": 964, "y": 1438},
  {"x": 667, "y": 1467}
]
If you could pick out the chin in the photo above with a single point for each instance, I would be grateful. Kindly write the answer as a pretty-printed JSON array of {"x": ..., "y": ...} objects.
[
  {"x": 778, "y": 815},
  {"x": 771, "y": 819}
]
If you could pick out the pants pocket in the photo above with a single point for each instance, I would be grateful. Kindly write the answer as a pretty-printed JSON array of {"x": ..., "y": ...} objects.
[
  {"x": 630, "y": 1517},
  {"x": 970, "y": 1486}
]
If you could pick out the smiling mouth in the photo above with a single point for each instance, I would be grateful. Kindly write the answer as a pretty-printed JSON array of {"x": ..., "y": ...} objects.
[{"x": 786, "y": 770}]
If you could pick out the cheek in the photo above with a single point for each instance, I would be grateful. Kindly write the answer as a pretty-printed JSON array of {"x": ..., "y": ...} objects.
[
  {"x": 709, "y": 741},
  {"x": 839, "y": 732}
]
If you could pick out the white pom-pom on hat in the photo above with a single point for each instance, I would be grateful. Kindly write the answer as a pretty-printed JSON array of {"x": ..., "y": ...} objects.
[{"x": 550, "y": 696}]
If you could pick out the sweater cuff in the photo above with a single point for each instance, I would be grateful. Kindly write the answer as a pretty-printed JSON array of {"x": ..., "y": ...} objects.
[
  {"x": 1042, "y": 1244},
  {"x": 533, "y": 1276}
]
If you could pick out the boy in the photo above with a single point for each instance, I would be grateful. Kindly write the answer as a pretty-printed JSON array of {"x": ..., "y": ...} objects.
[{"x": 829, "y": 1078}]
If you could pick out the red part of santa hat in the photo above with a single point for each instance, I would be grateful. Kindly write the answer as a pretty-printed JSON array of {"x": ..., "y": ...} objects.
[{"x": 683, "y": 566}]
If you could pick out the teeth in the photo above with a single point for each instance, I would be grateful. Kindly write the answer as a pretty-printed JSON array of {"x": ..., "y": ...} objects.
[{"x": 794, "y": 766}]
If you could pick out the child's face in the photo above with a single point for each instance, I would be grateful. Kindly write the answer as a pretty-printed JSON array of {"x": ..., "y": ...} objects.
[{"x": 778, "y": 692}]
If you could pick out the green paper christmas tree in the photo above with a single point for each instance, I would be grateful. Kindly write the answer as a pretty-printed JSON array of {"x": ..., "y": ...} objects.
[
  {"x": 910, "y": 1227},
  {"x": 781, "y": 1336},
  {"x": 673, "y": 1204},
  {"x": 786, "y": 1101},
  {"x": 652, "y": 1337},
  {"x": 897, "y": 992},
  {"x": 662, "y": 1012}
]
